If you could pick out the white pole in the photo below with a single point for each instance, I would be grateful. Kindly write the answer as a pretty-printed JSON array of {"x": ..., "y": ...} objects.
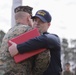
[{"x": 15, "y": 4}]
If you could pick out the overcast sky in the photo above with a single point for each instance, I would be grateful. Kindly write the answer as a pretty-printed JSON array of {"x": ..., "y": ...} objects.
[{"x": 63, "y": 15}]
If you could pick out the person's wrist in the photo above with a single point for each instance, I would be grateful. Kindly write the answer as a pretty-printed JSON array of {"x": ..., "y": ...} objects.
[{"x": 16, "y": 50}]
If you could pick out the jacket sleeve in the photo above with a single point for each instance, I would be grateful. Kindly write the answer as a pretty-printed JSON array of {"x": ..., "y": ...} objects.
[
  {"x": 33, "y": 44},
  {"x": 47, "y": 41}
]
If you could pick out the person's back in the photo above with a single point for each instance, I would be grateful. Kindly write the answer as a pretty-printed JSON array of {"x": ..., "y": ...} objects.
[{"x": 8, "y": 66}]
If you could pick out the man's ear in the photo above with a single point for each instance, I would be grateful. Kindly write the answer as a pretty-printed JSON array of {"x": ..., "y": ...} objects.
[
  {"x": 28, "y": 18},
  {"x": 30, "y": 21},
  {"x": 49, "y": 24}
]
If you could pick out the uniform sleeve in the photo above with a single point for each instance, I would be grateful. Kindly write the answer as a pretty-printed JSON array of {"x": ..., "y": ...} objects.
[{"x": 43, "y": 41}]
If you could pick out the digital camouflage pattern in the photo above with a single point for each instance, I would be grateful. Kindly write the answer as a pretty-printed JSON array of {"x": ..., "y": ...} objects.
[
  {"x": 42, "y": 61},
  {"x": 35, "y": 65}
]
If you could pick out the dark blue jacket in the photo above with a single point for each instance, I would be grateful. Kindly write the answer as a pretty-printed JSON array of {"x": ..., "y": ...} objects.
[{"x": 49, "y": 41}]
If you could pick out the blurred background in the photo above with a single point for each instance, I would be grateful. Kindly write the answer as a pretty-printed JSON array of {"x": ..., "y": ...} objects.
[{"x": 63, "y": 22}]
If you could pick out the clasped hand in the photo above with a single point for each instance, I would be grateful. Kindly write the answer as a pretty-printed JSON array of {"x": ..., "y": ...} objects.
[{"x": 13, "y": 49}]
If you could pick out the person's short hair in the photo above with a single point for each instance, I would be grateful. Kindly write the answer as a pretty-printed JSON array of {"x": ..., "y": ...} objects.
[
  {"x": 27, "y": 9},
  {"x": 67, "y": 64},
  {"x": 43, "y": 15}
]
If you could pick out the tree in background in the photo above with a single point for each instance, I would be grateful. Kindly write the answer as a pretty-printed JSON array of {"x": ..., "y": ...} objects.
[
  {"x": 1, "y": 36},
  {"x": 69, "y": 52}
]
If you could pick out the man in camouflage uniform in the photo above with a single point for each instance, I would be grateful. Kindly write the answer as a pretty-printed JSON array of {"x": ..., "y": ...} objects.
[
  {"x": 7, "y": 65},
  {"x": 67, "y": 70}
]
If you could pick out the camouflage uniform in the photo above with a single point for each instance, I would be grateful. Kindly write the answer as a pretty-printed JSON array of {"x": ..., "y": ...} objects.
[
  {"x": 67, "y": 73},
  {"x": 7, "y": 64},
  {"x": 41, "y": 62}
]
